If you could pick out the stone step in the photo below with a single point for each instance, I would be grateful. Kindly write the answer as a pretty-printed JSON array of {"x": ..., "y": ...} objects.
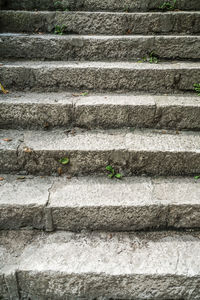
[
  {"x": 105, "y": 23},
  {"x": 98, "y": 5},
  {"x": 100, "y": 265},
  {"x": 94, "y": 48},
  {"x": 154, "y": 152},
  {"x": 171, "y": 77},
  {"x": 99, "y": 203},
  {"x": 92, "y": 111}
]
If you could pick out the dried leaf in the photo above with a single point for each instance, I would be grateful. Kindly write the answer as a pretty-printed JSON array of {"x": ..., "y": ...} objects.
[
  {"x": 59, "y": 171},
  {"x": 1, "y": 178},
  {"x": 27, "y": 150},
  {"x": 21, "y": 177},
  {"x": 3, "y": 90},
  {"x": 7, "y": 140}
]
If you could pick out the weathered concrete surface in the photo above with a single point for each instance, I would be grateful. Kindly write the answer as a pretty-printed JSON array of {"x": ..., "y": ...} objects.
[
  {"x": 22, "y": 201},
  {"x": 105, "y": 23},
  {"x": 98, "y": 203},
  {"x": 100, "y": 76},
  {"x": 94, "y": 48},
  {"x": 35, "y": 110},
  {"x": 92, "y": 5},
  {"x": 9, "y": 150},
  {"x": 41, "y": 111},
  {"x": 131, "y": 204},
  {"x": 154, "y": 152},
  {"x": 105, "y": 265}
]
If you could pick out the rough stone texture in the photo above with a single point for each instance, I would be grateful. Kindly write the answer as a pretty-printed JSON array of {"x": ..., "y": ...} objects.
[
  {"x": 101, "y": 265},
  {"x": 9, "y": 150},
  {"x": 108, "y": 76},
  {"x": 33, "y": 110},
  {"x": 94, "y": 48},
  {"x": 99, "y": 203},
  {"x": 131, "y": 204},
  {"x": 22, "y": 201},
  {"x": 41, "y": 110},
  {"x": 92, "y": 5},
  {"x": 155, "y": 152},
  {"x": 106, "y": 23}
]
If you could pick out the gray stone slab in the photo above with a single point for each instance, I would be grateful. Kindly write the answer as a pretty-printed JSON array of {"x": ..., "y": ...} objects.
[
  {"x": 131, "y": 204},
  {"x": 97, "y": 48},
  {"x": 92, "y": 5},
  {"x": 46, "y": 110},
  {"x": 22, "y": 201},
  {"x": 18, "y": 110},
  {"x": 108, "y": 265},
  {"x": 101, "y": 22},
  {"x": 170, "y": 154},
  {"x": 100, "y": 76},
  {"x": 9, "y": 144},
  {"x": 153, "y": 152}
]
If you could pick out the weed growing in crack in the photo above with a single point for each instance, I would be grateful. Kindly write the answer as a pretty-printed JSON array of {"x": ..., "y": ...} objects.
[
  {"x": 60, "y": 29},
  {"x": 113, "y": 173},
  {"x": 168, "y": 5},
  {"x": 197, "y": 88}
]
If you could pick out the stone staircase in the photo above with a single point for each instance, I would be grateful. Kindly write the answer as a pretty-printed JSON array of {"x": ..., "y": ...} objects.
[{"x": 116, "y": 88}]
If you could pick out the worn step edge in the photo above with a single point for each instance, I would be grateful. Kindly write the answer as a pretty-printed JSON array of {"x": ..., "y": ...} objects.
[
  {"x": 154, "y": 152},
  {"x": 101, "y": 265},
  {"x": 93, "y": 48},
  {"x": 98, "y": 203},
  {"x": 100, "y": 76},
  {"x": 47, "y": 110},
  {"x": 105, "y": 23},
  {"x": 96, "y": 5}
]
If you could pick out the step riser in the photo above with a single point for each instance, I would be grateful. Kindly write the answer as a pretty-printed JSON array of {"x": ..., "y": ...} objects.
[
  {"x": 87, "y": 203},
  {"x": 94, "y": 162},
  {"x": 94, "y": 49},
  {"x": 60, "y": 78},
  {"x": 101, "y": 23},
  {"x": 100, "y": 265},
  {"x": 100, "y": 114},
  {"x": 97, "y": 5}
]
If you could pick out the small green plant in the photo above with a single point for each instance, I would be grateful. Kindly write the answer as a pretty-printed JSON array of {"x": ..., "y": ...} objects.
[
  {"x": 197, "y": 88},
  {"x": 168, "y": 5},
  {"x": 59, "y": 29},
  {"x": 112, "y": 173},
  {"x": 197, "y": 177},
  {"x": 64, "y": 160},
  {"x": 151, "y": 58},
  {"x": 58, "y": 5},
  {"x": 84, "y": 94}
]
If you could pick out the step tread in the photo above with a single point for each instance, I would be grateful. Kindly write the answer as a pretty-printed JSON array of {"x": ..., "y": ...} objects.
[
  {"x": 102, "y": 264},
  {"x": 34, "y": 110},
  {"x": 99, "y": 140},
  {"x": 98, "y": 202},
  {"x": 188, "y": 65}
]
